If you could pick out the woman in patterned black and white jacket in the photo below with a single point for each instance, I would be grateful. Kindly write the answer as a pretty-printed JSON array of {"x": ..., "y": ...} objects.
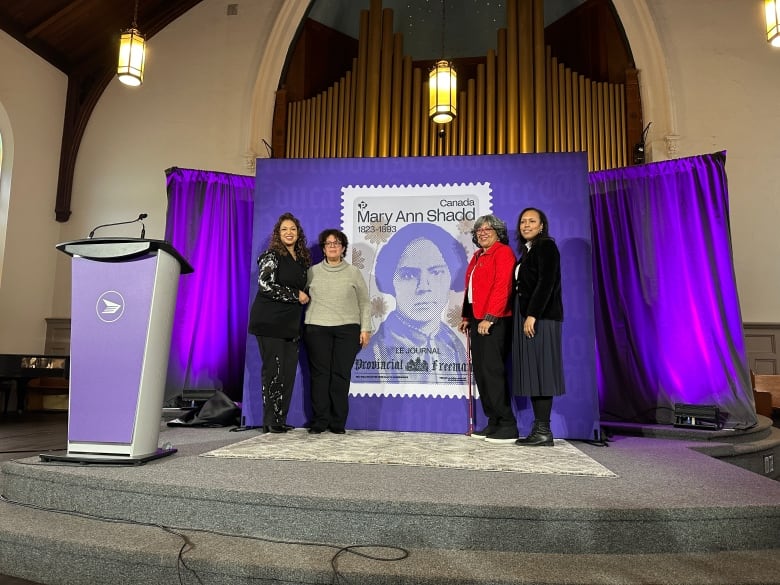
[{"x": 275, "y": 318}]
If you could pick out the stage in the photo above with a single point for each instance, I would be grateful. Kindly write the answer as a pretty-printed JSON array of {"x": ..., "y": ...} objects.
[{"x": 667, "y": 513}]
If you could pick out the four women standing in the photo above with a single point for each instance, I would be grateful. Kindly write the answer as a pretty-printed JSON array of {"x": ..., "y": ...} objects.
[{"x": 338, "y": 324}]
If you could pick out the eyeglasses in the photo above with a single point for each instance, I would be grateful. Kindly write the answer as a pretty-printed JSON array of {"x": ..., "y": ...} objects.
[
  {"x": 332, "y": 244},
  {"x": 484, "y": 230}
]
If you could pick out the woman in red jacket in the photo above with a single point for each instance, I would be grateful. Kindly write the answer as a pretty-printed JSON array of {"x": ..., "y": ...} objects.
[{"x": 487, "y": 320}]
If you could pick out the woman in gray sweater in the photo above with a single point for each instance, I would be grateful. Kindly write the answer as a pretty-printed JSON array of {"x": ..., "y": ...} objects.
[{"x": 338, "y": 324}]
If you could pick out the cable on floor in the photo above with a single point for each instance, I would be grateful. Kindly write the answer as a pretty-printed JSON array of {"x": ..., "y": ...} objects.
[{"x": 337, "y": 579}]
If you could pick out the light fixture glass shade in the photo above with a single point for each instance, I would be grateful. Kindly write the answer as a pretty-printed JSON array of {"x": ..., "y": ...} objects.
[
  {"x": 443, "y": 92},
  {"x": 772, "y": 22},
  {"x": 132, "y": 56}
]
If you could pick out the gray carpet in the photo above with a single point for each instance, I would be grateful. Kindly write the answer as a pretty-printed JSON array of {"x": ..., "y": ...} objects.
[
  {"x": 415, "y": 449},
  {"x": 674, "y": 516}
]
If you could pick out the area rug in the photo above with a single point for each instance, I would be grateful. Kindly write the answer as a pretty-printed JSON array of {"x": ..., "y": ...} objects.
[{"x": 415, "y": 449}]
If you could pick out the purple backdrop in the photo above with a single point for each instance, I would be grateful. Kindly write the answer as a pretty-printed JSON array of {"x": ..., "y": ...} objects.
[
  {"x": 556, "y": 183},
  {"x": 669, "y": 327}
]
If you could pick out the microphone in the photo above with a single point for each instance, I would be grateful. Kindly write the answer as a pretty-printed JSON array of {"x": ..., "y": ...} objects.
[{"x": 141, "y": 217}]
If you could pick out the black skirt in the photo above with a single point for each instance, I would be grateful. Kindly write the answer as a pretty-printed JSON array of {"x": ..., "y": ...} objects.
[{"x": 537, "y": 363}]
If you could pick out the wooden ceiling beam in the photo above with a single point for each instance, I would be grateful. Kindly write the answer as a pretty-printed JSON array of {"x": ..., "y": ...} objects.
[
  {"x": 89, "y": 71},
  {"x": 85, "y": 86},
  {"x": 42, "y": 49},
  {"x": 66, "y": 11}
]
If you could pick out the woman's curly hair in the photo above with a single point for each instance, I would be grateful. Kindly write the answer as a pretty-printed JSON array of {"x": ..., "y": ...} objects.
[{"x": 301, "y": 247}]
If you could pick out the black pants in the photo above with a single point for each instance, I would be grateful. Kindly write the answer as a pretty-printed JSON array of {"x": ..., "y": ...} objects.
[
  {"x": 332, "y": 352},
  {"x": 488, "y": 359},
  {"x": 280, "y": 360}
]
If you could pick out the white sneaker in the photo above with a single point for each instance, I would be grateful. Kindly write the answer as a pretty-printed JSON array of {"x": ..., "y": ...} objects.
[
  {"x": 488, "y": 430},
  {"x": 500, "y": 441}
]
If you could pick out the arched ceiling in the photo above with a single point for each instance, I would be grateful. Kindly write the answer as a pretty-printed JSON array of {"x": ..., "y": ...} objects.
[
  {"x": 469, "y": 25},
  {"x": 80, "y": 36}
]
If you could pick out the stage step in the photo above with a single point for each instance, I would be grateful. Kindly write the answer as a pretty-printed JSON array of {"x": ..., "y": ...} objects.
[
  {"x": 756, "y": 449},
  {"x": 608, "y": 523},
  {"x": 53, "y": 548},
  {"x": 669, "y": 515}
]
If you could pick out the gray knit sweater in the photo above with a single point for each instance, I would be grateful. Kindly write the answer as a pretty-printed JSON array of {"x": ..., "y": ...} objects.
[{"x": 339, "y": 296}]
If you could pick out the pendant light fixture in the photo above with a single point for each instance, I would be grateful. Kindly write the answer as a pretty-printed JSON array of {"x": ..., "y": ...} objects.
[
  {"x": 132, "y": 54},
  {"x": 772, "y": 22},
  {"x": 442, "y": 84}
]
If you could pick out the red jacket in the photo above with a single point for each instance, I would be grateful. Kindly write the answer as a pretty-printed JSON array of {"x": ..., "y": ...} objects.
[{"x": 490, "y": 272}]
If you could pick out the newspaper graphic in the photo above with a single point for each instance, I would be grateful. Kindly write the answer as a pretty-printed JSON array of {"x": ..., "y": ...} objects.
[{"x": 412, "y": 244}]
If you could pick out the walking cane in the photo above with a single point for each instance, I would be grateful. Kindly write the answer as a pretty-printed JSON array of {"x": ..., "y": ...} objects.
[{"x": 468, "y": 375}]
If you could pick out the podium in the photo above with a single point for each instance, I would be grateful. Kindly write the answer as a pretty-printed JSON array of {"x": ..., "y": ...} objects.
[{"x": 122, "y": 307}]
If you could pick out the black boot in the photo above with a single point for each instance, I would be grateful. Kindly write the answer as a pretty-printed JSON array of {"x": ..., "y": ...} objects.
[
  {"x": 524, "y": 440},
  {"x": 541, "y": 436}
]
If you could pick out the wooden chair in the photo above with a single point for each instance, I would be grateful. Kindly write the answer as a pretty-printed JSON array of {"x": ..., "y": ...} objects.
[{"x": 766, "y": 392}]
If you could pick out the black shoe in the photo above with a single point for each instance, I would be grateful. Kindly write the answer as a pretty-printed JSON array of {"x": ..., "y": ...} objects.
[
  {"x": 531, "y": 433},
  {"x": 315, "y": 431},
  {"x": 541, "y": 436},
  {"x": 274, "y": 429},
  {"x": 289, "y": 427},
  {"x": 503, "y": 435},
  {"x": 488, "y": 430},
  {"x": 337, "y": 430}
]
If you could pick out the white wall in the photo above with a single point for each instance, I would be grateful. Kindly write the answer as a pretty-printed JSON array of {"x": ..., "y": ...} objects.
[
  {"x": 192, "y": 111},
  {"x": 195, "y": 110},
  {"x": 724, "y": 84},
  {"x": 32, "y": 95}
]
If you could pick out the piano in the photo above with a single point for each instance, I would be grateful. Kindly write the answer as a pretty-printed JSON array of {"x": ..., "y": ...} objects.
[{"x": 16, "y": 370}]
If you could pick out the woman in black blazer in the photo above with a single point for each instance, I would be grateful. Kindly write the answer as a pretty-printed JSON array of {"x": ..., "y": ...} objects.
[{"x": 537, "y": 360}]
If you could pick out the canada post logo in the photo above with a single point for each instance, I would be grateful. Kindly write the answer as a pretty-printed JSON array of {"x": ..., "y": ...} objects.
[{"x": 110, "y": 306}]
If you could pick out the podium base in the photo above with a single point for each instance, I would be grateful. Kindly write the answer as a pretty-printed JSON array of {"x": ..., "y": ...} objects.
[{"x": 96, "y": 458}]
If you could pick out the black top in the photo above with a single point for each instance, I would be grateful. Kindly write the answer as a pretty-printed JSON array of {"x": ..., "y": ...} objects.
[
  {"x": 276, "y": 311},
  {"x": 537, "y": 282},
  {"x": 121, "y": 249}
]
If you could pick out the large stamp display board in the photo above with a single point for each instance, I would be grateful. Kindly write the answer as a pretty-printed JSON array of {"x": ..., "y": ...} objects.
[
  {"x": 408, "y": 222},
  {"x": 412, "y": 244}
]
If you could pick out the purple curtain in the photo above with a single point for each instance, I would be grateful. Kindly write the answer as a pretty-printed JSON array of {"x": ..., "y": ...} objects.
[
  {"x": 209, "y": 221},
  {"x": 668, "y": 322}
]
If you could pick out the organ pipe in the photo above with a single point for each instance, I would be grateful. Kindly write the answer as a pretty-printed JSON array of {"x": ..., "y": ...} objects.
[{"x": 522, "y": 99}]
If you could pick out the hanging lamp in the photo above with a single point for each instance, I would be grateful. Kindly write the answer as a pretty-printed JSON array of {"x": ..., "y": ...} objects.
[
  {"x": 442, "y": 85},
  {"x": 132, "y": 54},
  {"x": 772, "y": 22}
]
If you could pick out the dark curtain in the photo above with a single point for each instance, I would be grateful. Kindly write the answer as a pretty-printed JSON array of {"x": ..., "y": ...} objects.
[
  {"x": 209, "y": 221},
  {"x": 668, "y": 322}
]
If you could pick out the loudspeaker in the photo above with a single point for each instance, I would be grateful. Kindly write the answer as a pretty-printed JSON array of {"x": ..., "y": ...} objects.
[
  {"x": 639, "y": 153},
  {"x": 695, "y": 416}
]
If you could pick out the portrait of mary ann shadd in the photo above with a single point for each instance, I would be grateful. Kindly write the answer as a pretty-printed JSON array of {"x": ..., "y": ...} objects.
[{"x": 418, "y": 266}]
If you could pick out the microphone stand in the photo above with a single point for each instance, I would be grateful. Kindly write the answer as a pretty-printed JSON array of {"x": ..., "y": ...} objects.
[{"x": 141, "y": 217}]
